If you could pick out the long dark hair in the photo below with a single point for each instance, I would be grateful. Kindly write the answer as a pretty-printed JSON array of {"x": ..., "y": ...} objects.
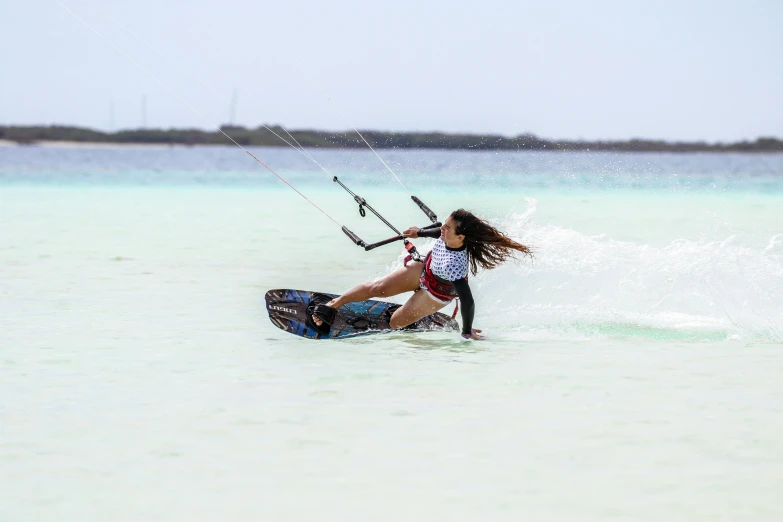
[{"x": 487, "y": 246}]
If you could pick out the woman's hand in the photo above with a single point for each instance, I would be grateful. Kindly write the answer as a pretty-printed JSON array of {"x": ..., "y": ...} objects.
[
  {"x": 412, "y": 232},
  {"x": 475, "y": 334}
]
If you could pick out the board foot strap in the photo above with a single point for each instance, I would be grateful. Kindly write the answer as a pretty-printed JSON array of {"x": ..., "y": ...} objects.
[{"x": 318, "y": 308}]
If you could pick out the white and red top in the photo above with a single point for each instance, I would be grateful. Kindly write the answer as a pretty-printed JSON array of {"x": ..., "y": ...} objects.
[{"x": 447, "y": 263}]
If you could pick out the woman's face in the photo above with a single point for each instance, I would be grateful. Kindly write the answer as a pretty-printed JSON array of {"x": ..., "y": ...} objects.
[{"x": 448, "y": 233}]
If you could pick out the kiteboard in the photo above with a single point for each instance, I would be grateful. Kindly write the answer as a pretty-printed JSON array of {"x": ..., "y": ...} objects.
[{"x": 291, "y": 310}]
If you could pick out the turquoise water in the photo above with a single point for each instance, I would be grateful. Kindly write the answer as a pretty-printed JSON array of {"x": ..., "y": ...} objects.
[
  {"x": 631, "y": 370},
  {"x": 228, "y": 166}
]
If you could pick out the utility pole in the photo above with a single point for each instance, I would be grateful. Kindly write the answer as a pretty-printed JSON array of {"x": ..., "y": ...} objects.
[
  {"x": 233, "y": 107},
  {"x": 111, "y": 116}
]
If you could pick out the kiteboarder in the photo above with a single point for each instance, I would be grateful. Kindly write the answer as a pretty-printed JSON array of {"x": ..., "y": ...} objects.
[{"x": 464, "y": 244}]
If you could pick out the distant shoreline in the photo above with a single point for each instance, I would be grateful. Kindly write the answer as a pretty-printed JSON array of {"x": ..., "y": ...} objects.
[
  {"x": 60, "y": 144},
  {"x": 79, "y": 137}
]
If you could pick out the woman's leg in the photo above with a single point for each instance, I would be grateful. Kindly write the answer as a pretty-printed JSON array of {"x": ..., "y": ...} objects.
[
  {"x": 419, "y": 305},
  {"x": 405, "y": 279}
]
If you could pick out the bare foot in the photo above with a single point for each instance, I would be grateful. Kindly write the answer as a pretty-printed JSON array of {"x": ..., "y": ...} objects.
[{"x": 318, "y": 320}]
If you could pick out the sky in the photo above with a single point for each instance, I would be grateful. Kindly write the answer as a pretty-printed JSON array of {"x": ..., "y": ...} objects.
[{"x": 675, "y": 70}]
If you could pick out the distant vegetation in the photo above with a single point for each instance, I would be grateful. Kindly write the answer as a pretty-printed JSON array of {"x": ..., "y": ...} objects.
[{"x": 262, "y": 137}]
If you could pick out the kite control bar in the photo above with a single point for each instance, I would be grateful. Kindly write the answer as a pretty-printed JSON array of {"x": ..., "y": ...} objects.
[
  {"x": 424, "y": 208},
  {"x": 364, "y": 205},
  {"x": 410, "y": 247},
  {"x": 397, "y": 238}
]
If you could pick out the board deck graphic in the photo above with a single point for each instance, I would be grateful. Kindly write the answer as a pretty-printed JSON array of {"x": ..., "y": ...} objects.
[{"x": 288, "y": 310}]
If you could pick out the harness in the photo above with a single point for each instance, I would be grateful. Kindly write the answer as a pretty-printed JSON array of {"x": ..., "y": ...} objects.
[
  {"x": 443, "y": 290},
  {"x": 439, "y": 289}
]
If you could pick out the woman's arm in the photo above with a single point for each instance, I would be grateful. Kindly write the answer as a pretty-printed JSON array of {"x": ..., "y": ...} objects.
[
  {"x": 430, "y": 232},
  {"x": 468, "y": 308},
  {"x": 414, "y": 232}
]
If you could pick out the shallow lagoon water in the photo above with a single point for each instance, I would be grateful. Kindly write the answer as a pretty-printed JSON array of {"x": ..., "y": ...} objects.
[{"x": 632, "y": 369}]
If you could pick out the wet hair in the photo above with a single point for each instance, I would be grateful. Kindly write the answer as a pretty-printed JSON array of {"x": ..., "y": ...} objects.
[{"x": 487, "y": 246}]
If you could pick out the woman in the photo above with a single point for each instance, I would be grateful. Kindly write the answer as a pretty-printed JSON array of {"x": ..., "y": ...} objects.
[{"x": 464, "y": 244}]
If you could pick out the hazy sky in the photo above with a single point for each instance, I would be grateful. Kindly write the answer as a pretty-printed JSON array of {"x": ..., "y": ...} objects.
[{"x": 690, "y": 70}]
